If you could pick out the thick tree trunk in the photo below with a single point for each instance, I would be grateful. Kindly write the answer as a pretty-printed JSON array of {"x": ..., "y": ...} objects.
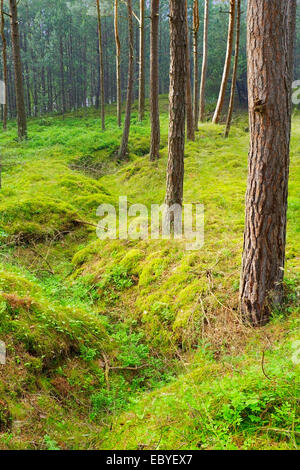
[
  {"x": 178, "y": 46},
  {"x": 21, "y": 113},
  {"x": 101, "y": 66},
  {"x": 154, "y": 81},
  {"x": 189, "y": 101},
  {"x": 235, "y": 67},
  {"x": 196, "y": 25},
  {"x": 4, "y": 59},
  {"x": 270, "y": 46},
  {"x": 142, "y": 62},
  {"x": 204, "y": 63},
  {"x": 118, "y": 63},
  {"x": 226, "y": 70},
  {"x": 124, "y": 144}
]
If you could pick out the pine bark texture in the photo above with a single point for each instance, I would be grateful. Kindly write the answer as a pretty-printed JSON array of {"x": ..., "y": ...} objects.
[
  {"x": 15, "y": 37},
  {"x": 142, "y": 62},
  {"x": 235, "y": 68},
  {"x": 118, "y": 62},
  {"x": 204, "y": 62},
  {"x": 226, "y": 70},
  {"x": 270, "y": 48},
  {"x": 154, "y": 81},
  {"x": 175, "y": 169},
  {"x": 4, "y": 59},
  {"x": 101, "y": 66},
  {"x": 124, "y": 144},
  {"x": 189, "y": 100}
]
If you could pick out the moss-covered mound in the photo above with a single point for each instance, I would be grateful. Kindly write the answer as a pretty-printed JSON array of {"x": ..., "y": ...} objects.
[{"x": 37, "y": 219}]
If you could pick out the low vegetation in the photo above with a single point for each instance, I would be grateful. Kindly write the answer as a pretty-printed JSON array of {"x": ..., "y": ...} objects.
[{"x": 136, "y": 344}]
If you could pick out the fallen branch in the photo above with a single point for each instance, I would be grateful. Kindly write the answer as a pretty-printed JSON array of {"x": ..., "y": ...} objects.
[
  {"x": 84, "y": 222},
  {"x": 263, "y": 365}
]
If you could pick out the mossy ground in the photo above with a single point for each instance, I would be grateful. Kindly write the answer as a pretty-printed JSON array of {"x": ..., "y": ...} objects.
[{"x": 96, "y": 327}]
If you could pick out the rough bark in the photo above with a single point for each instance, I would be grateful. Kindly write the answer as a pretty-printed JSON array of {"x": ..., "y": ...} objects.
[
  {"x": 204, "y": 63},
  {"x": 154, "y": 81},
  {"x": 118, "y": 62},
  {"x": 142, "y": 61},
  {"x": 175, "y": 169},
  {"x": 21, "y": 113},
  {"x": 188, "y": 85},
  {"x": 226, "y": 70},
  {"x": 235, "y": 67},
  {"x": 101, "y": 66},
  {"x": 196, "y": 24},
  {"x": 4, "y": 59},
  {"x": 270, "y": 46},
  {"x": 124, "y": 144}
]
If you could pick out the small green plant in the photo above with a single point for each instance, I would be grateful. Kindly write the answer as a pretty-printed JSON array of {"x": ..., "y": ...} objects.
[
  {"x": 50, "y": 444},
  {"x": 88, "y": 354}
]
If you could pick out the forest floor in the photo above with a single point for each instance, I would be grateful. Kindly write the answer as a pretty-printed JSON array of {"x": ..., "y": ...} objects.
[{"x": 127, "y": 344}]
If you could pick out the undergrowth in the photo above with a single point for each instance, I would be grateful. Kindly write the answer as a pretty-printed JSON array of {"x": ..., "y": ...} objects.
[{"x": 126, "y": 344}]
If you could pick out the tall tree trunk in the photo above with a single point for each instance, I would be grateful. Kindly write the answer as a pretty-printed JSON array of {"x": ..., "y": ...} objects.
[
  {"x": 196, "y": 24},
  {"x": 101, "y": 66},
  {"x": 226, "y": 70},
  {"x": 142, "y": 61},
  {"x": 204, "y": 62},
  {"x": 154, "y": 81},
  {"x": 124, "y": 144},
  {"x": 178, "y": 46},
  {"x": 118, "y": 63},
  {"x": 235, "y": 67},
  {"x": 4, "y": 59},
  {"x": 21, "y": 113},
  {"x": 189, "y": 101},
  {"x": 27, "y": 76},
  {"x": 62, "y": 75},
  {"x": 270, "y": 48}
]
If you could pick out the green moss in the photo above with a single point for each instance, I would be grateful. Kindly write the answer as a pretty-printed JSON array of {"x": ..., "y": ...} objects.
[
  {"x": 153, "y": 268},
  {"x": 5, "y": 417},
  {"x": 37, "y": 219},
  {"x": 210, "y": 408},
  {"x": 129, "y": 303},
  {"x": 131, "y": 260},
  {"x": 47, "y": 331}
]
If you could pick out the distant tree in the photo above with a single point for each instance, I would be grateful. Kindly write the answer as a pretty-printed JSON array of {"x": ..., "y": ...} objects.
[
  {"x": 204, "y": 62},
  {"x": 154, "y": 81},
  {"x": 271, "y": 26},
  {"x": 101, "y": 65},
  {"x": 124, "y": 144},
  {"x": 62, "y": 74},
  {"x": 189, "y": 101},
  {"x": 21, "y": 113},
  {"x": 226, "y": 70},
  {"x": 142, "y": 61},
  {"x": 118, "y": 62},
  {"x": 235, "y": 68},
  {"x": 4, "y": 58},
  {"x": 196, "y": 24},
  {"x": 175, "y": 169}
]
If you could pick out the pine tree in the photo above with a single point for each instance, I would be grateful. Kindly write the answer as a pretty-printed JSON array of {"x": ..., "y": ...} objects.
[
  {"x": 271, "y": 27},
  {"x": 175, "y": 169}
]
